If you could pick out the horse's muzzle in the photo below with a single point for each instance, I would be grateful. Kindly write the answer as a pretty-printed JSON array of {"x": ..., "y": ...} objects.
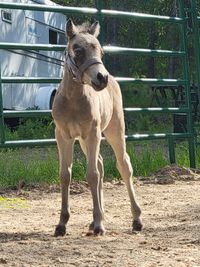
[{"x": 102, "y": 82}]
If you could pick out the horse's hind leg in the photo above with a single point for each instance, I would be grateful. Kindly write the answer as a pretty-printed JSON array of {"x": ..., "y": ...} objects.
[
  {"x": 65, "y": 149},
  {"x": 115, "y": 137},
  {"x": 100, "y": 187}
]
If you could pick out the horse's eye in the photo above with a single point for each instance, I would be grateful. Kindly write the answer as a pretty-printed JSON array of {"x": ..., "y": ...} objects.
[{"x": 78, "y": 52}]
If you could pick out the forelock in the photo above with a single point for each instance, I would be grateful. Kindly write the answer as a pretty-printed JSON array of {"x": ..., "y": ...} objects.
[{"x": 83, "y": 28}]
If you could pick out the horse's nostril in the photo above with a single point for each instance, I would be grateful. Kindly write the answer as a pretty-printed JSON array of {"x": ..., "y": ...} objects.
[{"x": 102, "y": 78}]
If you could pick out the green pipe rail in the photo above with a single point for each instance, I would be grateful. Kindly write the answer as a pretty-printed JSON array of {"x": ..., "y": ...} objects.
[
  {"x": 195, "y": 32},
  {"x": 100, "y": 13}
]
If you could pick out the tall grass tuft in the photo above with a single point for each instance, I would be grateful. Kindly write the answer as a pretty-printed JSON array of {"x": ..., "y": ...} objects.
[{"x": 146, "y": 160}]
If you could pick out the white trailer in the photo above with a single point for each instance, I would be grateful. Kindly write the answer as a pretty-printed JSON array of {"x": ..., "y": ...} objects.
[{"x": 30, "y": 27}]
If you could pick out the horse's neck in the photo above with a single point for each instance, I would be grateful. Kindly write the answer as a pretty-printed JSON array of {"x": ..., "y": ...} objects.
[{"x": 70, "y": 88}]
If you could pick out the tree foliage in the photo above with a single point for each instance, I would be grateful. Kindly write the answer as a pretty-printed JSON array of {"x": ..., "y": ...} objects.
[{"x": 138, "y": 34}]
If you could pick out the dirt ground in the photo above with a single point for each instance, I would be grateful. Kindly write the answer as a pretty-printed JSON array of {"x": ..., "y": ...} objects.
[{"x": 170, "y": 202}]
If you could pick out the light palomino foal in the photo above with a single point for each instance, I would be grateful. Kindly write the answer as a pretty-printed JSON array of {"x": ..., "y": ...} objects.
[{"x": 88, "y": 103}]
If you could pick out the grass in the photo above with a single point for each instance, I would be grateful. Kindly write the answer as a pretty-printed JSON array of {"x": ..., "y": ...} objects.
[
  {"x": 28, "y": 166},
  {"x": 148, "y": 159},
  {"x": 40, "y": 166},
  {"x": 36, "y": 166}
]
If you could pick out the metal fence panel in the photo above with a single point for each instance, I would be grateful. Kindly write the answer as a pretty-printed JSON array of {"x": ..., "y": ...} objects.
[{"x": 101, "y": 13}]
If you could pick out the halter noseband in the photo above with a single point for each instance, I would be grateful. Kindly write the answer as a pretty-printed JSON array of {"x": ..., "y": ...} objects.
[{"x": 77, "y": 71}]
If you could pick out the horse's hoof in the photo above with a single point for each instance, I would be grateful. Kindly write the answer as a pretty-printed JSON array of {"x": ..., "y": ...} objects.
[
  {"x": 91, "y": 226},
  {"x": 99, "y": 231},
  {"x": 137, "y": 225},
  {"x": 60, "y": 230}
]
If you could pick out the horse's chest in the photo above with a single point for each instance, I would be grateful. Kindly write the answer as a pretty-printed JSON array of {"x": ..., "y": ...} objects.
[
  {"x": 76, "y": 123},
  {"x": 73, "y": 119},
  {"x": 76, "y": 118},
  {"x": 73, "y": 129}
]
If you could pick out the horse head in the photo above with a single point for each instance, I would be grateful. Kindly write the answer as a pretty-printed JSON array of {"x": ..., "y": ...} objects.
[{"x": 84, "y": 55}]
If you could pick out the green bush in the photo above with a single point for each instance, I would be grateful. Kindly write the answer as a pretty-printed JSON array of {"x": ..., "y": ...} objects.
[{"x": 31, "y": 128}]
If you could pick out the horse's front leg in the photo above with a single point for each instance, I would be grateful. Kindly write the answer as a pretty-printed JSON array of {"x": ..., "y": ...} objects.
[
  {"x": 65, "y": 149},
  {"x": 94, "y": 178}
]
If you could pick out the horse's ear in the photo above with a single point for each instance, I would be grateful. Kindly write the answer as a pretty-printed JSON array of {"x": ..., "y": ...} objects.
[
  {"x": 94, "y": 29},
  {"x": 70, "y": 29}
]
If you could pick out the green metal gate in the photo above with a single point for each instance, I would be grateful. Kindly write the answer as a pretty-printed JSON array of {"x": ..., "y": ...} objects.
[{"x": 100, "y": 13}]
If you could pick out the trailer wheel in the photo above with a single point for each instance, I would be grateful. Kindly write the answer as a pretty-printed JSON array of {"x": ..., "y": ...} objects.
[{"x": 52, "y": 99}]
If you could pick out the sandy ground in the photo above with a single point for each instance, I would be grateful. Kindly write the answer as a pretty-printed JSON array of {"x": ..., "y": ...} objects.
[{"x": 171, "y": 234}]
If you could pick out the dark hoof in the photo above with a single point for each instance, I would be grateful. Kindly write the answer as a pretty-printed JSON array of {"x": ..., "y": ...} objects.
[
  {"x": 137, "y": 226},
  {"x": 91, "y": 226},
  {"x": 99, "y": 231},
  {"x": 60, "y": 230}
]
